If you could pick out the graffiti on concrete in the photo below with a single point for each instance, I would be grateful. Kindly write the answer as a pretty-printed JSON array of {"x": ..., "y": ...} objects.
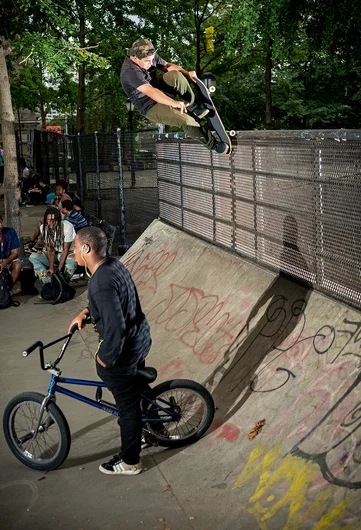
[
  {"x": 199, "y": 320},
  {"x": 265, "y": 350},
  {"x": 338, "y": 454},
  {"x": 286, "y": 488},
  {"x": 146, "y": 268}
]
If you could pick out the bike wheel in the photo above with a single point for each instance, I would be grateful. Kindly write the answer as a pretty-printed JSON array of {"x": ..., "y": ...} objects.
[
  {"x": 50, "y": 447},
  {"x": 194, "y": 408}
]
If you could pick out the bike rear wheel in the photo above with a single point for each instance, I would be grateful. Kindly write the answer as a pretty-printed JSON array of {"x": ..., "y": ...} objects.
[
  {"x": 50, "y": 447},
  {"x": 192, "y": 405}
]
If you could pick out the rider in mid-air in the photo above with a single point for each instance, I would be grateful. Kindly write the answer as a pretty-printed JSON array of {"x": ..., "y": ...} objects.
[{"x": 152, "y": 94}]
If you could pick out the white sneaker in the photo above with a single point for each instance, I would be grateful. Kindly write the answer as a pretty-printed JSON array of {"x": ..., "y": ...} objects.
[{"x": 116, "y": 466}]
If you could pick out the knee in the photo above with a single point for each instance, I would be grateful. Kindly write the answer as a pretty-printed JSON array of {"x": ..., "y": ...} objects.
[
  {"x": 173, "y": 77},
  {"x": 16, "y": 267},
  {"x": 172, "y": 74}
]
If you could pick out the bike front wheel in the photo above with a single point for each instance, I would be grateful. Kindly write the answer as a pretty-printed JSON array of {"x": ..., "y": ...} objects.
[
  {"x": 181, "y": 411},
  {"x": 49, "y": 447}
]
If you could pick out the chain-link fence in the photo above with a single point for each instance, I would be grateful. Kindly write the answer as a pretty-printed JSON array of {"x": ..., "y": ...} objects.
[
  {"x": 114, "y": 175},
  {"x": 287, "y": 200}
]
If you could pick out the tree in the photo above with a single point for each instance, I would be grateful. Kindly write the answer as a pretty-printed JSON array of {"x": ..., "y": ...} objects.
[
  {"x": 42, "y": 42},
  {"x": 269, "y": 27},
  {"x": 8, "y": 133}
]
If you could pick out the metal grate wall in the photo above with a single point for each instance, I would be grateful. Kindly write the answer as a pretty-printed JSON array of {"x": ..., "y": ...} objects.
[{"x": 288, "y": 200}]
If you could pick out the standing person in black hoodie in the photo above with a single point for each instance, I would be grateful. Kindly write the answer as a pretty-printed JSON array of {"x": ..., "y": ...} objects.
[{"x": 124, "y": 341}]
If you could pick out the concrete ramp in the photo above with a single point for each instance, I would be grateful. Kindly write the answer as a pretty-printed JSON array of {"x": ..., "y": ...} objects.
[{"x": 268, "y": 349}]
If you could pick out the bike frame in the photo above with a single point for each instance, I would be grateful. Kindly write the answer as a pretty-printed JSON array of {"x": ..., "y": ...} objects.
[
  {"x": 105, "y": 406},
  {"x": 56, "y": 378}
]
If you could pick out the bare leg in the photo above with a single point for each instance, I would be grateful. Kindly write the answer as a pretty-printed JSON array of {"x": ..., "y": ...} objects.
[{"x": 15, "y": 271}]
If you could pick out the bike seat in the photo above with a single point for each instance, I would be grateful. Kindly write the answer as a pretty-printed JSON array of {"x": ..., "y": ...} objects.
[{"x": 148, "y": 374}]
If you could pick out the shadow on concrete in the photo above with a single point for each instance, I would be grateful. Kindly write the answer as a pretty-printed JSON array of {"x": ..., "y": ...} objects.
[
  {"x": 108, "y": 444},
  {"x": 283, "y": 305}
]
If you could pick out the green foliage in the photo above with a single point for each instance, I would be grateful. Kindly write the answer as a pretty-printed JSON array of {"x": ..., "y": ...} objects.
[{"x": 316, "y": 68}]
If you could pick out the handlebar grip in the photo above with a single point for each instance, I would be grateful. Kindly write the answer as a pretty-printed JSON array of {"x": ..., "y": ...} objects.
[
  {"x": 31, "y": 348},
  {"x": 73, "y": 329}
]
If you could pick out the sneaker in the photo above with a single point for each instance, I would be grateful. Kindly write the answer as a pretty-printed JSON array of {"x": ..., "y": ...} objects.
[
  {"x": 199, "y": 112},
  {"x": 16, "y": 288},
  {"x": 29, "y": 205},
  {"x": 221, "y": 148},
  {"x": 116, "y": 466}
]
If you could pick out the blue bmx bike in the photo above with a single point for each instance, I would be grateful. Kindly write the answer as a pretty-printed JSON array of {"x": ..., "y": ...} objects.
[{"x": 174, "y": 413}]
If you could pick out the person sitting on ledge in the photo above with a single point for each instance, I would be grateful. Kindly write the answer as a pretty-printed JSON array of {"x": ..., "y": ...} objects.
[
  {"x": 58, "y": 237},
  {"x": 68, "y": 213},
  {"x": 9, "y": 252},
  {"x": 61, "y": 195},
  {"x": 38, "y": 194}
]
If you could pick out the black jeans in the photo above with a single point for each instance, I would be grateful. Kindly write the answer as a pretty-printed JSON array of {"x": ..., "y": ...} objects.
[{"x": 123, "y": 384}]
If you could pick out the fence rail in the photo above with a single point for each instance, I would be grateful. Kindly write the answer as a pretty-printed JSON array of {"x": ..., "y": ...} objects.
[{"x": 288, "y": 200}]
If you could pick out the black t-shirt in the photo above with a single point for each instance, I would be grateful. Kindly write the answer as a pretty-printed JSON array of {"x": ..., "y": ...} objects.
[
  {"x": 132, "y": 76},
  {"x": 124, "y": 335}
]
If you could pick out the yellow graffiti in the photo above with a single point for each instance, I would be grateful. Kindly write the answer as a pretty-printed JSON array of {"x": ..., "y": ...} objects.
[{"x": 284, "y": 481}]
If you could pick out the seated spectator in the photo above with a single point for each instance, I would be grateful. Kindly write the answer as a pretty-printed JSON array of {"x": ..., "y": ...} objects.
[
  {"x": 23, "y": 168},
  {"x": 61, "y": 195},
  {"x": 31, "y": 181},
  {"x": 74, "y": 217},
  {"x": 38, "y": 195},
  {"x": 50, "y": 197},
  {"x": 58, "y": 239},
  {"x": 9, "y": 252},
  {"x": 24, "y": 173}
]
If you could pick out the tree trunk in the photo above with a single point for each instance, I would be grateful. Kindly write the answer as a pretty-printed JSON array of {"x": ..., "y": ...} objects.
[
  {"x": 11, "y": 190},
  {"x": 43, "y": 111},
  {"x": 43, "y": 115},
  {"x": 268, "y": 78},
  {"x": 198, "y": 39},
  {"x": 81, "y": 81}
]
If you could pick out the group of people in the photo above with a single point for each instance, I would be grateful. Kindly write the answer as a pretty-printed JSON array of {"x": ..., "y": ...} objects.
[
  {"x": 52, "y": 243},
  {"x": 56, "y": 232}
]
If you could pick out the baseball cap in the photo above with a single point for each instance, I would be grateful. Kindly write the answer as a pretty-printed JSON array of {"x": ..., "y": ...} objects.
[
  {"x": 50, "y": 197},
  {"x": 142, "y": 48}
]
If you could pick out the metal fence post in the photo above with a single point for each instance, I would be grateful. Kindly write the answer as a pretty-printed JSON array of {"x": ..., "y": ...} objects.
[
  {"x": 65, "y": 160},
  {"x": 181, "y": 182},
  {"x": 81, "y": 186},
  {"x": 123, "y": 235},
  {"x": 97, "y": 168}
]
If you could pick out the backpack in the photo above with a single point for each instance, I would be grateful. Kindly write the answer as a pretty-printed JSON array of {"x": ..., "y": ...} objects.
[
  {"x": 57, "y": 290},
  {"x": 5, "y": 296}
]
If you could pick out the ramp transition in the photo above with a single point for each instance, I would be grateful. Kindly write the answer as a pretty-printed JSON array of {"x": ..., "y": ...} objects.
[{"x": 267, "y": 348}]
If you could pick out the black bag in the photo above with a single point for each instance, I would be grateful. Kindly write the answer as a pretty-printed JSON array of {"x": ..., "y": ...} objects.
[
  {"x": 57, "y": 290},
  {"x": 5, "y": 296}
]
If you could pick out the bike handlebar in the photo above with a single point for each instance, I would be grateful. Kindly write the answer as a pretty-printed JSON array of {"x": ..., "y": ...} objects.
[
  {"x": 73, "y": 329},
  {"x": 41, "y": 347},
  {"x": 31, "y": 348}
]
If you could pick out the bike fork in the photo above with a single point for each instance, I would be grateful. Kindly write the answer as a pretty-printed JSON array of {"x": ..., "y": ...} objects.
[{"x": 43, "y": 406}]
